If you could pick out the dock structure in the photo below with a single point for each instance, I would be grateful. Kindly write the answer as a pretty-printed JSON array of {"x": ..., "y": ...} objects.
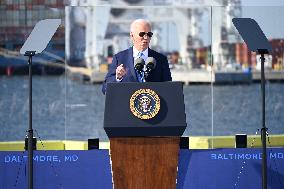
[
  {"x": 193, "y": 76},
  {"x": 269, "y": 75},
  {"x": 199, "y": 76},
  {"x": 225, "y": 77}
]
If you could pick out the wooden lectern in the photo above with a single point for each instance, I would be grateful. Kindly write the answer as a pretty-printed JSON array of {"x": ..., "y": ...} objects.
[{"x": 144, "y": 153}]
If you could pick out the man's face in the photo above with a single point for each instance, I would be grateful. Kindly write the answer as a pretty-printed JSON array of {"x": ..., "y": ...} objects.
[{"x": 140, "y": 36}]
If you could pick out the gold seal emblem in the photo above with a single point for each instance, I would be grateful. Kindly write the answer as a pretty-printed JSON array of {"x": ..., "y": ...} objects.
[{"x": 145, "y": 103}]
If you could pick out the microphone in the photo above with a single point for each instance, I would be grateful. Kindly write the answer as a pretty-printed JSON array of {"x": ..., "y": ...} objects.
[
  {"x": 139, "y": 64},
  {"x": 150, "y": 65}
]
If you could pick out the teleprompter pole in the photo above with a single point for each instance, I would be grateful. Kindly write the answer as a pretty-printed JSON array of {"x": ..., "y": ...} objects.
[
  {"x": 263, "y": 129},
  {"x": 30, "y": 130}
]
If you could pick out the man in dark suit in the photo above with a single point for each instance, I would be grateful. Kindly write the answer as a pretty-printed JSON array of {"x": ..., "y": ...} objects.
[{"x": 122, "y": 66}]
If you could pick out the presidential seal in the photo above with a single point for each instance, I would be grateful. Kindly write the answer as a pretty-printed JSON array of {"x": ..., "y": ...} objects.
[{"x": 145, "y": 104}]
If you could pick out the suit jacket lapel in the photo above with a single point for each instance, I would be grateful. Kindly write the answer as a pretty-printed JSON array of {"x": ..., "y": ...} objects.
[
  {"x": 150, "y": 52},
  {"x": 131, "y": 63}
]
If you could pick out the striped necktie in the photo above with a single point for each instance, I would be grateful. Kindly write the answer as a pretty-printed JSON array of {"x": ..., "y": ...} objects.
[
  {"x": 140, "y": 55},
  {"x": 139, "y": 75}
]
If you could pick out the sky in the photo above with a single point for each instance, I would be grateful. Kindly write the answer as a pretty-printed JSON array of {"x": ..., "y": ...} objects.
[{"x": 269, "y": 16}]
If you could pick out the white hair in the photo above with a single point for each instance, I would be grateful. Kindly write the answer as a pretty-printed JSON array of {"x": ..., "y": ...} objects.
[{"x": 133, "y": 24}]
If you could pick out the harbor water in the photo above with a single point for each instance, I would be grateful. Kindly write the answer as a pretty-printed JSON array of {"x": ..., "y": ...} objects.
[{"x": 64, "y": 109}]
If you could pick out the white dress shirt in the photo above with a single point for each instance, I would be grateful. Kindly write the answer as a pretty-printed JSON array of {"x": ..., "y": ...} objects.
[{"x": 136, "y": 52}]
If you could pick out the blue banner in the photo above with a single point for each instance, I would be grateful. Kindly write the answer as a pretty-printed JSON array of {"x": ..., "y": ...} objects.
[
  {"x": 229, "y": 168},
  {"x": 198, "y": 169},
  {"x": 57, "y": 169}
]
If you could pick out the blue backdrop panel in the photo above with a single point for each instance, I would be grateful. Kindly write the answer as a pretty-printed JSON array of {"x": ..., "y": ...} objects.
[
  {"x": 57, "y": 169},
  {"x": 229, "y": 168},
  {"x": 198, "y": 169}
]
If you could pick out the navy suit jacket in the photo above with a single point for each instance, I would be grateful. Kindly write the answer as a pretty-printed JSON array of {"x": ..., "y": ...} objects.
[{"x": 159, "y": 74}]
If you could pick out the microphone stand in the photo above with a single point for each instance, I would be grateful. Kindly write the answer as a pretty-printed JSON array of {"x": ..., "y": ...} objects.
[
  {"x": 143, "y": 73},
  {"x": 147, "y": 72}
]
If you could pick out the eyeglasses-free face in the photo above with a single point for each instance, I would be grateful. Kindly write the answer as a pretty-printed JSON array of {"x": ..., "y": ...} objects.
[{"x": 142, "y": 34}]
